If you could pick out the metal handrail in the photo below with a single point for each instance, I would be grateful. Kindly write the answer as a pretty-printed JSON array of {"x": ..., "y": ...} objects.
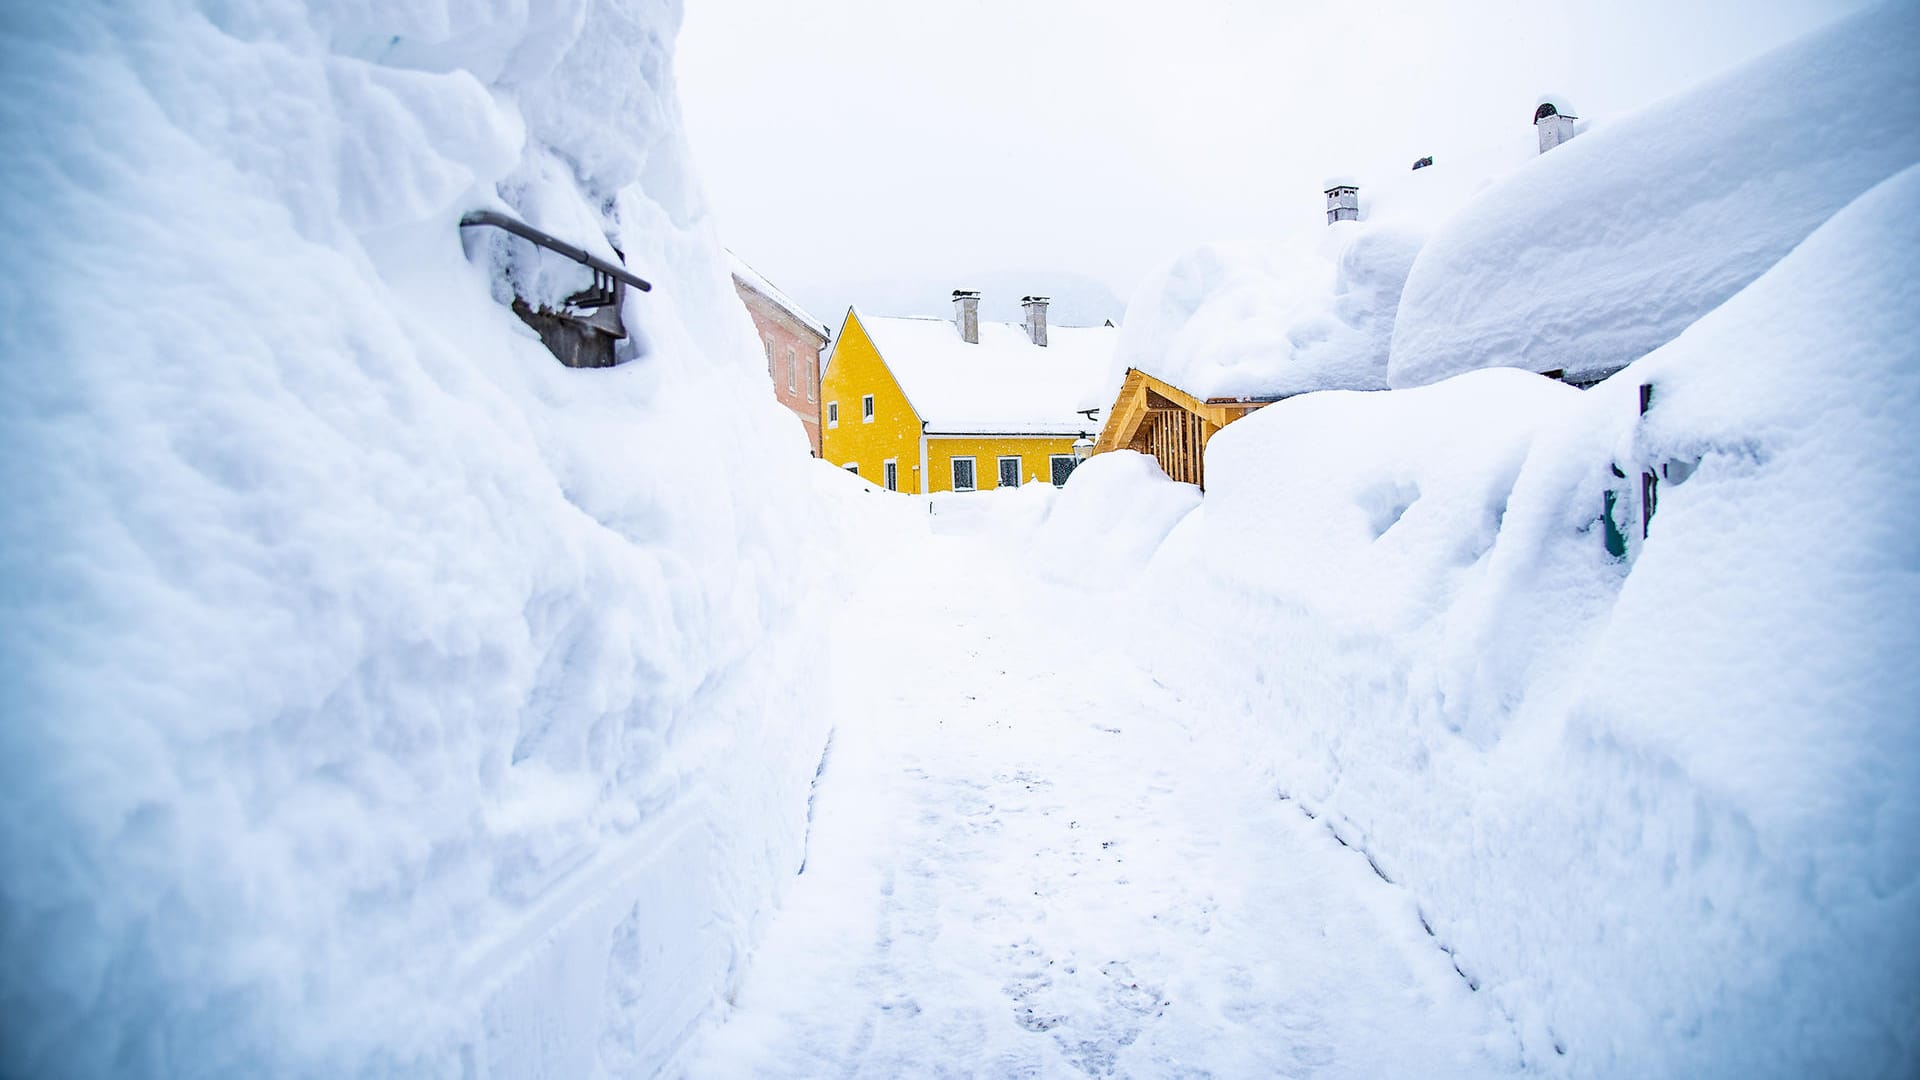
[{"x": 524, "y": 231}]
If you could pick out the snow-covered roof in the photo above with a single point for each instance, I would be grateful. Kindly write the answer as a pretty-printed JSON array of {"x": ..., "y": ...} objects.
[
  {"x": 1588, "y": 258},
  {"x": 1005, "y": 384},
  {"x": 752, "y": 279}
]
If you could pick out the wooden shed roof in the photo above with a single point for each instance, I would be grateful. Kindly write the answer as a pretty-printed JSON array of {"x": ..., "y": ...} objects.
[{"x": 1136, "y": 398}]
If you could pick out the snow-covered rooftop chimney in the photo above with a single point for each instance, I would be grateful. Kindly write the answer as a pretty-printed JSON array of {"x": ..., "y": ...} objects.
[
  {"x": 1554, "y": 126},
  {"x": 1343, "y": 203},
  {"x": 966, "y": 314},
  {"x": 1036, "y": 309}
]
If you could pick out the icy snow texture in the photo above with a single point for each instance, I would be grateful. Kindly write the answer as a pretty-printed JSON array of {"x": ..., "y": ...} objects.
[
  {"x": 1663, "y": 811},
  {"x": 1609, "y": 245},
  {"x": 379, "y": 695}
]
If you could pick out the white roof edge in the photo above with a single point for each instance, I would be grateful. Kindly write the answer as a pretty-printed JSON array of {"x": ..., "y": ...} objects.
[{"x": 758, "y": 282}]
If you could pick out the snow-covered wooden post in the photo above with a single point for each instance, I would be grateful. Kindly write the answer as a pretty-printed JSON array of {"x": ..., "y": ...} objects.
[
  {"x": 1553, "y": 126},
  {"x": 1343, "y": 203}
]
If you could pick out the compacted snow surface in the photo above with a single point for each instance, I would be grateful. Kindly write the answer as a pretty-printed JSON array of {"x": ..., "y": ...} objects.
[{"x": 1027, "y": 857}]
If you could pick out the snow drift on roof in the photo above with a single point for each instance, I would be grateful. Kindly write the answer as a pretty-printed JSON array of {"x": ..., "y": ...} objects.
[
  {"x": 1315, "y": 312},
  {"x": 1607, "y": 247}
]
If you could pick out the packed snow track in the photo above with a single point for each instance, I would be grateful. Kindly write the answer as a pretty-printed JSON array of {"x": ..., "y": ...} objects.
[{"x": 1027, "y": 859}]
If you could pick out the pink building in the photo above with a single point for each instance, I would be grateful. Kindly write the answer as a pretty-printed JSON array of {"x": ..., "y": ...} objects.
[{"x": 793, "y": 340}]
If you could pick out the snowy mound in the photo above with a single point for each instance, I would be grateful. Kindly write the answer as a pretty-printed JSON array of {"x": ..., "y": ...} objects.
[
  {"x": 1608, "y": 246},
  {"x": 380, "y": 696},
  {"x": 1661, "y": 809},
  {"x": 1115, "y": 509}
]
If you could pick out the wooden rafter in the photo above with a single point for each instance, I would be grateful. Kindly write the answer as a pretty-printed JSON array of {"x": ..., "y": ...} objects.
[{"x": 1155, "y": 417}]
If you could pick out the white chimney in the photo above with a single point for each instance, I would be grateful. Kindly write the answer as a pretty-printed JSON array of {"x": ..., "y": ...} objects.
[
  {"x": 1554, "y": 126},
  {"x": 966, "y": 314},
  {"x": 1343, "y": 203},
  {"x": 1036, "y": 309}
]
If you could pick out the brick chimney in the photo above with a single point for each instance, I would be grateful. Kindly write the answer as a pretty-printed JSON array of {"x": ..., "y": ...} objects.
[
  {"x": 1036, "y": 309},
  {"x": 966, "y": 314},
  {"x": 1554, "y": 126}
]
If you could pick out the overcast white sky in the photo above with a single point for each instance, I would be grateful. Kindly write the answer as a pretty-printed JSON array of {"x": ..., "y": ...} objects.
[{"x": 878, "y": 151}]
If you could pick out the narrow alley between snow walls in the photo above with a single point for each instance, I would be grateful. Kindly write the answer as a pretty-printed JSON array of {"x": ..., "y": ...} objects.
[
  {"x": 1027, "y": 857},
  {"x": 613, "y": 538}
]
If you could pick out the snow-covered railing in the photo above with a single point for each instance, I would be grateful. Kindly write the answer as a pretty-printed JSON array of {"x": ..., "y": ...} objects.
[
  {"x": 497, "y": 220},
  {"x": 583, "y": 333}
]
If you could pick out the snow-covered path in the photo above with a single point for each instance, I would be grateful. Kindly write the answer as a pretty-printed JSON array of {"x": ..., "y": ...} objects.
[{"x": 1026, "y": 859}]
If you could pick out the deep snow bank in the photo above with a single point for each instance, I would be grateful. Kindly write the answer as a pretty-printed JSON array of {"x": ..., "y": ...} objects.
[
  {"x": 379, "y": 696},
  {"x": 1662, "y": 811},
  {"x": 1610, "y": 245}
]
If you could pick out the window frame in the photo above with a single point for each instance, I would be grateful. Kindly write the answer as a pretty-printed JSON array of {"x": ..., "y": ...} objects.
[
  {"x": 833, "y": 414},
  {"x": 852, "y": 467},
  {"x": 1072, "y": 464},
  {"x": 1000, "y": 469},
  {"x": 866, "y": 409},
  {"x": 813, "y": 378},
  {"x": 973, "y": 472},
  {"x": 793, "y": 369},
  {"x": 767, "y": 340},
  {"x": 890, "y": 474}
]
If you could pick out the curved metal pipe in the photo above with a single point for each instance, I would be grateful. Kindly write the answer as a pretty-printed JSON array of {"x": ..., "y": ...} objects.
[{"x": 497, "y": 220}]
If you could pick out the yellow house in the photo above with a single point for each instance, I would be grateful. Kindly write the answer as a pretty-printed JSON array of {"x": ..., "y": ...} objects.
[{"x": 925, "y": 405}]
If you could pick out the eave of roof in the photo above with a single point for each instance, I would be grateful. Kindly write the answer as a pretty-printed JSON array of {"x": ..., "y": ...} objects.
[{"x": 746, "y": 275}]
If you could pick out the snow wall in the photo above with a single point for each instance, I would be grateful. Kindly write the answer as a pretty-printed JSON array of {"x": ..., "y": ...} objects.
[
  {"x": 1660, "y": 808},
  {"x": 379, "y": 695}
]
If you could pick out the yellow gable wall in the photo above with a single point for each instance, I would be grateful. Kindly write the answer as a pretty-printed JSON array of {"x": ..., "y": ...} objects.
[
  {"x": 986, "y": 451},
  {"x": 854, "y": 370}
]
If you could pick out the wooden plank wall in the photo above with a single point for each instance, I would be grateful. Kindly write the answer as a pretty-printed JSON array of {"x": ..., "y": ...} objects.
[{"x": 1177, "y": 440}]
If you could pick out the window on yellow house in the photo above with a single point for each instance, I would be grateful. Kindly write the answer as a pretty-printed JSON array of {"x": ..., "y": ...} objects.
[
  {"x": 833, "y": 414},
  {"x": 963, "y": 474},
  {"x": 866, "y": 409},
  {"x": 893, "y": 475},
  {"x": 852, "y": 467},
  {"x": 1010, "y": 471},
  {"x": 1061, "y": 466}
]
